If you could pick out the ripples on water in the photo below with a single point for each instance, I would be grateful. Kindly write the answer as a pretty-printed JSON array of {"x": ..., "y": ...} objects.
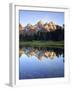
[{"x": 41, "y": 63}]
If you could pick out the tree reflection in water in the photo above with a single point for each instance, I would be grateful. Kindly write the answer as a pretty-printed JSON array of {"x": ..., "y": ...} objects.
[
  {"x": 41, "y": 63},
  {"x": 40, "y": 53}
]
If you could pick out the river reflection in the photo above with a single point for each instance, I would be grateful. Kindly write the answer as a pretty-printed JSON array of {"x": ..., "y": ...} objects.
[{"x": 41, "y": 62}]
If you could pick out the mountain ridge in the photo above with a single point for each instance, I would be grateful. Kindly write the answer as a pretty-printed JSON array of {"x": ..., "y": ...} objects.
[{"x": 40, "y": 25}]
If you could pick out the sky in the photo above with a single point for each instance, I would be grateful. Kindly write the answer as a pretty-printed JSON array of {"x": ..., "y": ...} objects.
[{"x": 32, "y": 17}]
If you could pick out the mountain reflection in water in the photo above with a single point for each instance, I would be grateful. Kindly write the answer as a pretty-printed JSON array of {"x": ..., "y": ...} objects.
[{"x": 41, "y": 62}]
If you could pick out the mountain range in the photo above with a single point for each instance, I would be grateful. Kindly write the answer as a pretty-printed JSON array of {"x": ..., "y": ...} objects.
[
  {"x": 41, "y": 31},
  {"x": 40, "y": 25}
]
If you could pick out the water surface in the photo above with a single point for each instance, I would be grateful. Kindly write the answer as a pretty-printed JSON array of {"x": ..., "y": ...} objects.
[{"x": 41, "y": 63}]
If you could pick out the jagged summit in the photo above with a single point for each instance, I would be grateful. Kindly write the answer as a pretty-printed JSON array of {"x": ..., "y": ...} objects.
[
  {"x": 40, "y": 25},
  {"x": 21, "y": 27}
]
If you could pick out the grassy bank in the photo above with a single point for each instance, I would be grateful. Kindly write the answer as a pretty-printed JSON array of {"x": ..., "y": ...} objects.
[{"x": 55, "y": 44}]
